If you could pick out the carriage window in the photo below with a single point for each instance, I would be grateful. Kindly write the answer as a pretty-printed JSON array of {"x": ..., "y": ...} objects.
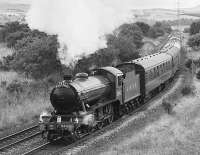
[
  {"x": 146, "y": 76},
  {"x": 154, "y": 72},
  {"x": 163, "y": 67},
  {"x": 167, "y": 65},
  {"x": 120, "y": 80},
  {"x": 157, "y": 70},
  {"x": 151, "y": 74}
]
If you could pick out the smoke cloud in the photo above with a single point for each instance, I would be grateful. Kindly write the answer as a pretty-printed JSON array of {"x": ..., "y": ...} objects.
[{"x": 79, "y": 24}]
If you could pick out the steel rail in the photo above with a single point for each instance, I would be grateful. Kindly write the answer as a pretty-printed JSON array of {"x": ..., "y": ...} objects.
[
  {"x": 19, "y": 141},
  {"x": 17, "y": 133}
]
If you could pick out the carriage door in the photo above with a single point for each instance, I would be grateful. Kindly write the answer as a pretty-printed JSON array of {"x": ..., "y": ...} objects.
[{"x": 119, "y": 87}]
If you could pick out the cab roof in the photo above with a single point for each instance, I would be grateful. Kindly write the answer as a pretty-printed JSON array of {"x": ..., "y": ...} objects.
[{"x": 112, "y": 70}]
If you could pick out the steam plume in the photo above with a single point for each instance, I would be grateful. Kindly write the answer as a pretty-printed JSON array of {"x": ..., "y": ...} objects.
[{"x": 80, "y": 24}]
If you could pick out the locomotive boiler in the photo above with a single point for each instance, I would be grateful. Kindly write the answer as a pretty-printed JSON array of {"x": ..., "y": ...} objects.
[{"x": 80, "y": 94}]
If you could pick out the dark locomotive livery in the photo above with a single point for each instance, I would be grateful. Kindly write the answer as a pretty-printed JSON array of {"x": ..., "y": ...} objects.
[{"x": 88, "y": 102}]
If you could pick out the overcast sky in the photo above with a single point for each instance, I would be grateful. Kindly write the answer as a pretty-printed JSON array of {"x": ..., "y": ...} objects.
[{"x": 140, "y": 3}]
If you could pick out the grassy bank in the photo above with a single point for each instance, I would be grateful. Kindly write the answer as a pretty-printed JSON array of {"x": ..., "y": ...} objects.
[{"x": 21, "y": 100}]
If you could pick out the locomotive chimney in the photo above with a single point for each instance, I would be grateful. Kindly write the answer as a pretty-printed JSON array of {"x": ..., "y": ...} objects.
[
  {"x": 82, "y": 76},
  {"x": 67, "y": 78}
]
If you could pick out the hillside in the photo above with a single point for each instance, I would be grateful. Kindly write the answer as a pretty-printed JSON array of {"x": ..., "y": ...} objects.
[
  {"x": 11, "y": 12},
  {"x": 17, "y": 11},
  {"x": 14, "y": 7},
  {"x": 159, "y": 14},
  {"x": 193, "y": 10}
]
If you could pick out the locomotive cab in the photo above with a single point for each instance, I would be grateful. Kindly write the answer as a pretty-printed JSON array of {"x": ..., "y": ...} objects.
[{"x": 116, "y": 77}]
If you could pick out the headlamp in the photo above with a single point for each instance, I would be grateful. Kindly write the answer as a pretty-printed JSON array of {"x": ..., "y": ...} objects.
[
  {"x": 76, "y": 120},
  {"x": 44, "y": 117}
]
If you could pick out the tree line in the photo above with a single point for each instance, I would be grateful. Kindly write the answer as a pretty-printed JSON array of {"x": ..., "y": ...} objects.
[
  {"x": 194, "y": 30},
  {"x": 36, "y": 52}
]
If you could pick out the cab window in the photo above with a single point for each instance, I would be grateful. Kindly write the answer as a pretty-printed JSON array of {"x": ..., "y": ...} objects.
[{"x": 120, "y": 80}]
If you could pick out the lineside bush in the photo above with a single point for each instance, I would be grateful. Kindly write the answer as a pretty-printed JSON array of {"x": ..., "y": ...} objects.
[
  {"x": 187, "y": 90},
  {"x": 198, "y": 75},
  {"x": 188, "y": 63}
]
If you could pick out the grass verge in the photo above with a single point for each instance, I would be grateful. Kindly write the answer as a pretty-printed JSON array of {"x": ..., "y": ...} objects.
[{"x": 21, "y": 100}]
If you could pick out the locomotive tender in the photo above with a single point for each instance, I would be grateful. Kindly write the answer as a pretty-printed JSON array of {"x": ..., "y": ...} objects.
[{"x": 88, "y": 102}]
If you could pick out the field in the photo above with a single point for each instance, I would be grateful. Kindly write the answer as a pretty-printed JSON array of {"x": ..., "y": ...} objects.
[{"x": 11, "y": 12}]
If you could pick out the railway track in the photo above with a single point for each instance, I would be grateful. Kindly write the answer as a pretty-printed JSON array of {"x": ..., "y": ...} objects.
[
  {"x": 85, "y": 138},
  {"x": 18, "y": 137}
]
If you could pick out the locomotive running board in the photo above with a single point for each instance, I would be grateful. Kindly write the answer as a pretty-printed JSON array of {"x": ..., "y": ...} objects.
[{"x": 101, "y": 104}]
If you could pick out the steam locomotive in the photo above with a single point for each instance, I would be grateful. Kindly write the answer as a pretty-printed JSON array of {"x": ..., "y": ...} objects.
[{"x": 88, "y": 102}]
